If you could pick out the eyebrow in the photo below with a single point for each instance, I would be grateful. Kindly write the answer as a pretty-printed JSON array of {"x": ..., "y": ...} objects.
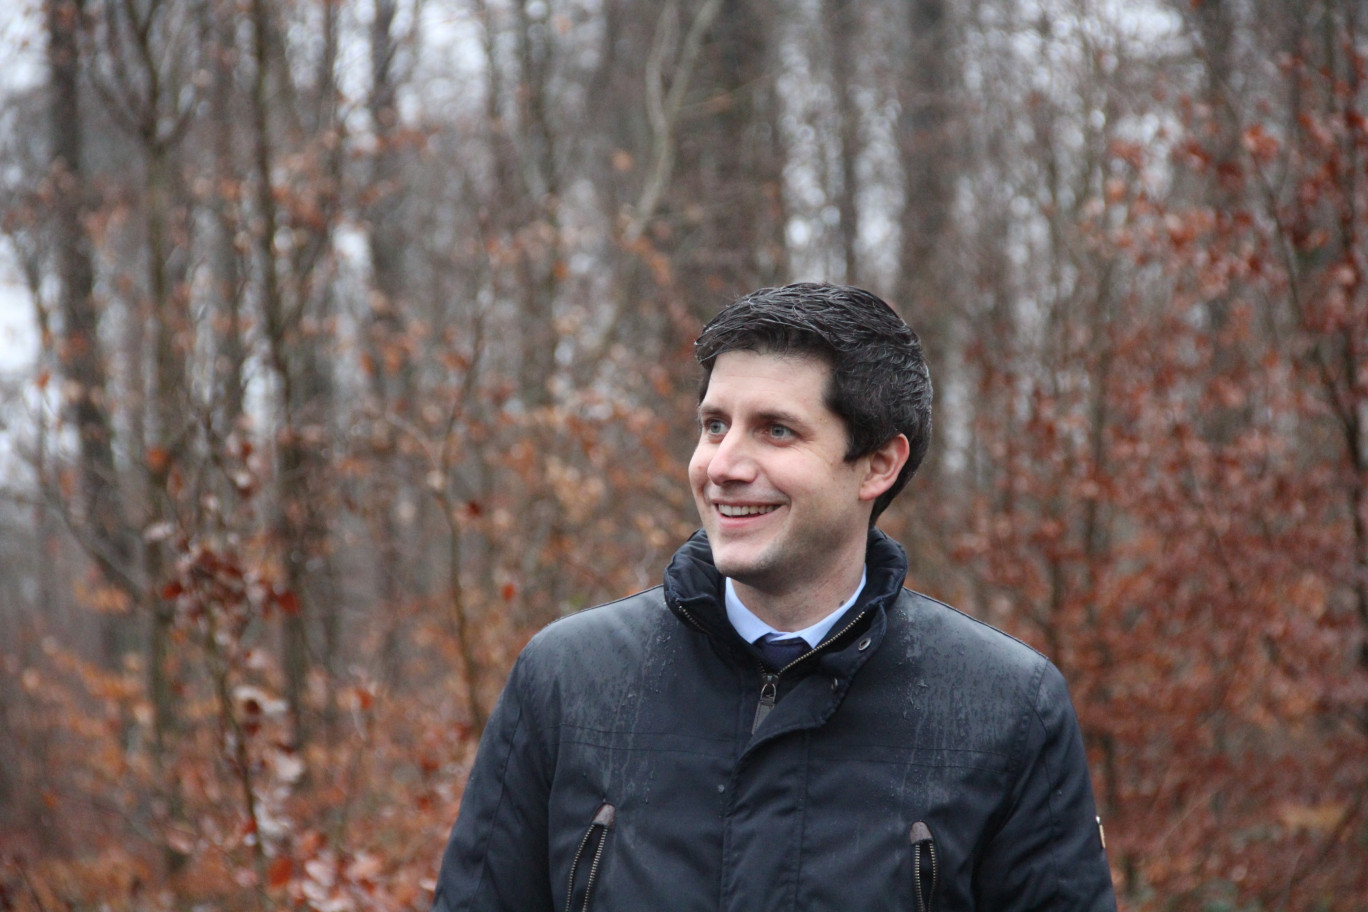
[
  {"x": 707, "y": 411},
  {"x": 781, "y": 417},
  {"x": 767, "y": 416}
]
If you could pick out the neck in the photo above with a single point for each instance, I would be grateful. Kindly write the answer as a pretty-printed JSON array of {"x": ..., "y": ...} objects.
[{"x": 798, "y": 607}]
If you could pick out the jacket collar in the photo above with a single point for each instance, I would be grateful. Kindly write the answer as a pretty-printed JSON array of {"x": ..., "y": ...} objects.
[{"x": 693, "y": 590}]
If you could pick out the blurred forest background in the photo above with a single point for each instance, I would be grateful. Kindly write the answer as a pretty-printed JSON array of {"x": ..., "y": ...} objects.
[{"x": 362, "y": 349}]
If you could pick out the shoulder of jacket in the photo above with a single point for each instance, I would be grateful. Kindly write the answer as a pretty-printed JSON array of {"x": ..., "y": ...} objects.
[
  {"x": 936, "y": 624},
  {"x": 582, "y": 653},
  {"x": 624, "y": 619}
]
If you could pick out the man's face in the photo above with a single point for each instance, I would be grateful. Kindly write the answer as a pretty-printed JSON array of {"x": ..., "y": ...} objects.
[{"x": 783, "y": 509}]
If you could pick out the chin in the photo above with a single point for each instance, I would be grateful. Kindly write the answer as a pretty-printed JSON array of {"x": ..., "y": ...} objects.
[
  {"x": 749, "y": 571},
  {"x": 731, "y": 566}
]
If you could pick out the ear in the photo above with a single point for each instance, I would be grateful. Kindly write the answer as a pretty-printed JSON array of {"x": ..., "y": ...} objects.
[{"x": 883, "y": 467}]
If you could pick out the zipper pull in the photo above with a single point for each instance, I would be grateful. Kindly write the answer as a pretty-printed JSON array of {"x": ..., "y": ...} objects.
[
  {"x": 923, "y": 881},
  {"x": 769, "y": 693},
  {"x": 605, "y": 816},
  {"x": 602, "y": 823}
]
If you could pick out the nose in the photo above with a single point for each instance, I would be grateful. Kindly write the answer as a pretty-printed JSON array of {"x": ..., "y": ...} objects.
[{"x": 731, "y": 460}]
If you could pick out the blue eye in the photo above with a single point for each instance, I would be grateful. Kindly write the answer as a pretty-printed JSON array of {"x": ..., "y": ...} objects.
[{"x": 714, "y": 427}]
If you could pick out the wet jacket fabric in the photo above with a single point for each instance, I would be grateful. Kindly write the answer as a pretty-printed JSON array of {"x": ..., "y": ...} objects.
[{"x": 641, "y": 757}]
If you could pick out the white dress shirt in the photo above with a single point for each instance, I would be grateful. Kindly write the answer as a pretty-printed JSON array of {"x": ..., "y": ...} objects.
[{"x": 752, "y": 628}]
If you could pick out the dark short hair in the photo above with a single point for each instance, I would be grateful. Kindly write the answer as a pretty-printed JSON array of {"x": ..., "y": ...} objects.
[{"x": 880, "y": 385}]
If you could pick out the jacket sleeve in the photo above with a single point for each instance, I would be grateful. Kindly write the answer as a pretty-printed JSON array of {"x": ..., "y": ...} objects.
[
  {"x": 1047, "y": 853},
  {"x": 496, "y": 858}
]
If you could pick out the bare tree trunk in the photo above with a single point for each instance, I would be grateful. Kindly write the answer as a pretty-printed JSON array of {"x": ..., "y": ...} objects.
[
  {"x": 316, "y": 407},
  {"x": 171, "y": 405},
  {"x": 931, "y": 155},
  {"x": 80, "y": 353},
  {"x": 295, "y": 311},
  {"x": 926, "y": 151},
  {"x": 391, "y": 352},
  {"x": 392, "y": 372},
  {"x": 146, "y": 100},
  {"x": 1342, "y": 352},
  {"x": 522, "y": 219},
  {"x": 842, "y": 19},
  {"x": 290, "y": 506},
  {"x": 668, "y": 74},
  {"x": 729, "y": 155},
  {"x": 226, "y": 259},
  {"x": 540, "y": 255},
  {"x": 1216, "y": 30}
]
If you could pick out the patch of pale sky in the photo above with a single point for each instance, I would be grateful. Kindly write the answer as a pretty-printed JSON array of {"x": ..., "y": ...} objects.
[
  {"x": 21, "y": 44},
  {"x": 21, "y": 66}
]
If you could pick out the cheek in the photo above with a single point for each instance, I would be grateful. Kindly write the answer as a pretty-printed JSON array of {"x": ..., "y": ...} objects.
[{"x": 698, "y": 468}]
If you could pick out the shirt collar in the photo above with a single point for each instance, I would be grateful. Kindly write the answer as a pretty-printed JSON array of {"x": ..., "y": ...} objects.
[{"x": 751, "y": 628}]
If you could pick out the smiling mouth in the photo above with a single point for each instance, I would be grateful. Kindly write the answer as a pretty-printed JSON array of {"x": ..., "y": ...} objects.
[{"x": 734, "y": 510}]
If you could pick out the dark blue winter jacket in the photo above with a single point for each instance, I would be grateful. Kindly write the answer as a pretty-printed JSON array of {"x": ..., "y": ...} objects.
[{"x": 642, "y": 758}]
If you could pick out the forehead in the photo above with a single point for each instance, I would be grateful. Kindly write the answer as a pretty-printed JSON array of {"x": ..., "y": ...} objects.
[{"x": 759, "y": 377}]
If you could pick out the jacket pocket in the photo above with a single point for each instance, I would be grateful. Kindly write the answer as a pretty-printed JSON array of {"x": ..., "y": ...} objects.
[
  {"x": 925, "y": 866},
  {"x": 588, "y": 857}
]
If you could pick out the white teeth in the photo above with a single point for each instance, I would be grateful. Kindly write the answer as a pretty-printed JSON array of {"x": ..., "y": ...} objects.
[{"x": 733, "y": 510}]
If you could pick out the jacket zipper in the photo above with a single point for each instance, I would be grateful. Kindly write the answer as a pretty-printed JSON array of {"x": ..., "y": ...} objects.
[
  {"x": 769, "y": 680},
  {"x": 602, "y": 823},
  {"x": 769, "y": 693},
  {"x": 924, "y": 882}
]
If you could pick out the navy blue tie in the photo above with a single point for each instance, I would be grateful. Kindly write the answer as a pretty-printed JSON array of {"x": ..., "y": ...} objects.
[{"x": 779, "y": 650}]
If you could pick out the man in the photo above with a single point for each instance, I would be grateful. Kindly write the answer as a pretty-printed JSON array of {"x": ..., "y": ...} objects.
[{"x": 661, "y": 753}]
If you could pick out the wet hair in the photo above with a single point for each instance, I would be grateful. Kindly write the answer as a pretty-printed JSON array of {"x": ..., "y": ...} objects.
[{"x": 880, "y": 385}]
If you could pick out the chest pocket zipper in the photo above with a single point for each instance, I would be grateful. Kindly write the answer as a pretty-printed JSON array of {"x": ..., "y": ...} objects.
[
  {"x": 925, "y": 865},
  {"x": 597, "y": 836}
]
